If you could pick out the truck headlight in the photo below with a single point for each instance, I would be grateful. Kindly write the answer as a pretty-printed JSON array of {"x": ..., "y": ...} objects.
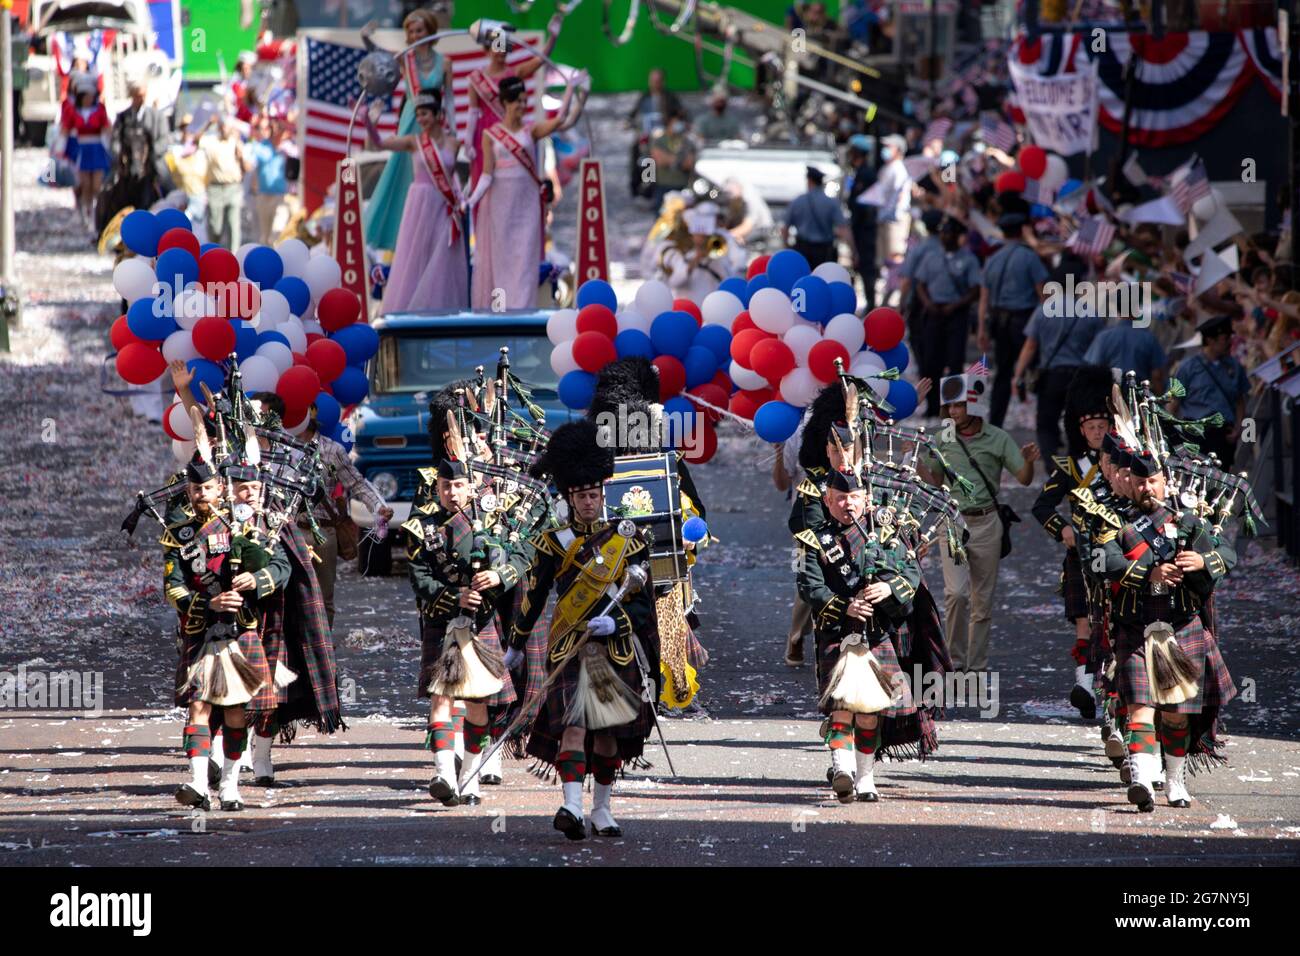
[{"x": 385, "y": 483}]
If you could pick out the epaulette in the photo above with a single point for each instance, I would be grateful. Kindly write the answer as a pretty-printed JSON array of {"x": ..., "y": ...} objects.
[
  {"x": 808, "y": 537},
  {"x": 415, "y": 527},
  {"x": 1062, "y": 462},
  {"x": 170, "y": 538},
  {"x": 546, "y": 542},
  {"x": 428, "y": 475},
  {"x": 808, "y": 488},
  {"x": 1095, "y": 508}
]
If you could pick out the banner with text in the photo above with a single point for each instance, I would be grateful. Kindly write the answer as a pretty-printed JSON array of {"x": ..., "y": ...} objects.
[
  {"x": 593, "y": 244},
  {"x": 349, "y": 247},
  {"x": 1060, "y": 111}
]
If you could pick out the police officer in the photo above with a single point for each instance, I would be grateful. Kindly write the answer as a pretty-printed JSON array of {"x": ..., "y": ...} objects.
[
  {"x": 817, "y": 221},
  {"x": 862, "y": 216},
  {"x": 947, "y": 284},
  {"x": 1215, "y": 382}
]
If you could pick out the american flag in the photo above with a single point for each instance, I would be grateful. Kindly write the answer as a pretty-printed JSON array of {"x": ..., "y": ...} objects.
[
  {"x": 332, "y": 89},
  {"x": 938, "y": 129},
  {"x": 1192, "y": 185},
  {"x": 1036, "y": 192},
  {"x": 1093, "y": 235},
  {"x": 979, "y": 367},
  {"x": 997, "y": 133}
]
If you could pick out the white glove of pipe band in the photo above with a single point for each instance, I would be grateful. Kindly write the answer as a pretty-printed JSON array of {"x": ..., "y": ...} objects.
[{"x": 602, "y": 626}]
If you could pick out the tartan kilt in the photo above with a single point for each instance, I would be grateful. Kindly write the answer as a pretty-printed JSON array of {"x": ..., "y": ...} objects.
[
  {"x": 882, "y": 649},
  {"x": 189, "y": 647},
  {"x": 1214, "y": 684},
  {"x": 1074, "y": 591},
  {"x": 432, "y": 635},
  {"x": 548, "y": 726},
  {"x": 270, "y": 696}
]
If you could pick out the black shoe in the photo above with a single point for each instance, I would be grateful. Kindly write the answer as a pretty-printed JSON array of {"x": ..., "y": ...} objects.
[
  {"x": 607, "y": 831},
  {"x": 1125, "y": 775},
  {"x": 869, "y": 797},
  {"x": 443, "y": 792},
  {"x": 830, "y": 774},
  {"x": 842, "y": 784},
  {"x": 1084, "y": 701},
  {"x": 232, "y": 806},
  {"x": 569, "y": 825},
  {"x": 489, "y": 780},
  {"x": 268, "y": 782},
  {"x": 470, "y": 800},
  {"x": 794, "y": 653},
  {"x": 1157, "y": 785},
  {"x": 1141, "y": 797},
  {"x": 187, "y": 796},
  {"x": 1180, "y": 804}
]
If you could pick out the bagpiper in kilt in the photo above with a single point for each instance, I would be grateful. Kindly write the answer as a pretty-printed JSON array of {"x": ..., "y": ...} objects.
[
  {"x": 1087, "y": 420},
  {"x": 602, "y": 653},
  {"x": 859, "y": 582}
]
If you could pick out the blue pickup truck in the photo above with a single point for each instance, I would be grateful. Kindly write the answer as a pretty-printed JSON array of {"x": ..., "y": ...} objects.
[{"x": 419, "y": 354}]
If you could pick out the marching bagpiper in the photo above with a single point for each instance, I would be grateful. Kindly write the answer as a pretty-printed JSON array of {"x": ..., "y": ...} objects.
[{"x": 602, "y": 645}]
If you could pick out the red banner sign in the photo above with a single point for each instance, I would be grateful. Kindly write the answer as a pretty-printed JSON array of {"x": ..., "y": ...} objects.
[
  {"x": 593, "y": 246},
  {"x": 349, "y": 245}
]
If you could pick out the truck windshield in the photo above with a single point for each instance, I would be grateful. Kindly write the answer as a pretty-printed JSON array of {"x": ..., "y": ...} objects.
[{"x": 418, "y": 363}]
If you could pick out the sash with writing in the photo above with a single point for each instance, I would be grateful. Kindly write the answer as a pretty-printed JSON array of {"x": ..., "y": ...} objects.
[
  {"x": 524, "y": 157},
  {"x": 444, "y": 182},
  {"x": 411, "y": 71},
  {"x": 489, "y": 95}
]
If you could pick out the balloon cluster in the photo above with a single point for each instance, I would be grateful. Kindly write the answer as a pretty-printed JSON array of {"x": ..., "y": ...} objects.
[
  {"x": 280, "y": 311},
  {"x": 1034, "y": 162}
]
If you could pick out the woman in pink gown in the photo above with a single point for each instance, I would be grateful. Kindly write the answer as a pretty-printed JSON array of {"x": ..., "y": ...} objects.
[
  {"x": 430, "y": 271},
  {"x": 510, "y": 198}
]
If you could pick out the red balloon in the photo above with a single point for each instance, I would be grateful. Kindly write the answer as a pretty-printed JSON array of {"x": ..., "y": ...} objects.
[
  {"x": 741, "y": 322},
  {"x": 745, "y": 404},
  {"x": 593, "y": 351},
  {"x": 708, "y": 446},
  {"x": 757, "y": 267},
  {"x": 300, "y": 359},
  {"x": 337, "y": 308},
  {"x": 141, "y": 363},
  {"x": 742, "y": 345},
  {"x": 1032, "y": 160},
  {"x": 167, "y": 425},
  {"x": 713, "y": 394},
  {"x": 293, "y": 415},
  {"x": 327, "y": 357},
  {"x": 314, "y": 337},
  {"x": 821, "y": 359},
  {"x": 690, "y": 308},
  {"x": 249, "y": 301},
  {"x": 772, "y": 359},
  {"x": 217, "y": 267},
  {"x": 120, "y": 335},
  {"x": 885, "y": 329},
  {"x": 179, "y": 238},
  {"x": 597, "y": 318},
  {"x": 672, "y": 376},
  {"x": 214, "y": 338},
  {"x": 1012, "y": 181},
  {"x": 298, "y": 386},
  {"x": 723, "y": 381}
]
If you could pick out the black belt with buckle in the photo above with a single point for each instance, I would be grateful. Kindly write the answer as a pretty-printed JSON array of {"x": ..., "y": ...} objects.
[{"x": 979, "y": 512}]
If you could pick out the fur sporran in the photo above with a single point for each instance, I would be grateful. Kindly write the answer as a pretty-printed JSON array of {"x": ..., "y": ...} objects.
[
  {"x": 601, "y": 699},
  {"x": 858, "y": 683},
  {"x": 283, "y": 675},
  {"x": 222, "y": 675},
  {"x": 1171, "y": 674},
  {"x": 469, "y": 669}
]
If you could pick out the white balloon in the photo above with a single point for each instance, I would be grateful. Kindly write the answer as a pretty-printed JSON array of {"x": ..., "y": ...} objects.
[
  {"x": 243, "y": 251},
  {"x": 182, "y": 451},
  {"x": 133, "y": 279},
  {"x": 321, "y": 274},
  {"x": 848, "y": 330},
  {"x": 275, "y": 308},
  {"x": 771, "y": 311},
  {"x": 562, "y": 326},
  {"x": 880, "y": 386},
  {"x": 320, "y": 249},
  {"x": 562, "y": 360},
  {"x": 653, "y": 298},
  {"x": 180, "y": 423},
  {"x": 190, "y": 305},
  {"x": 312, "y": 327},
  {"x": 631, "y": 320},
  {"x": 278, "y": 354},
  {"x": 292, "y": 330},
  {"x": 1205, "y": 207},
  {"x": 746, "y": 378},
  {"x": 869, "y": 362},
  {"x": 294, "y": 255},
  {"x": 720, "y": 308},
  {"x": 832, "y": 272},
  {"x": 179, "y": 346},
  {"x": 800, "y": 387},
  {"x": 801, "y": 338},
  {"x": 1056, "y": 174},
  {"x": 260, "y": 373}
]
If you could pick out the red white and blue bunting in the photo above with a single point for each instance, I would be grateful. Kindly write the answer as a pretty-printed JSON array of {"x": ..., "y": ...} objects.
[{"x": 1266, "y": 57}]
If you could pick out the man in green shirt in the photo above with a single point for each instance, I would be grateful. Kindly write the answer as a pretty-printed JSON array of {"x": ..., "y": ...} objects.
[{"x": 971, "y": 447}]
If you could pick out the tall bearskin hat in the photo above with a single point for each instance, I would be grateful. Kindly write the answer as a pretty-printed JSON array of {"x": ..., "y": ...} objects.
[
  {"x": 1088, "y": 397},
  {"x": 442, "y": 403},
  {"x": 827, "y": 411},
  {"x": 574, "y": 458},
  {"x": 632, "y": 384}
]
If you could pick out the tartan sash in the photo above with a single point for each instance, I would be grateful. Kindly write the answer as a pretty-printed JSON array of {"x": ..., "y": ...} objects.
[{"x": 438, "y": 173}]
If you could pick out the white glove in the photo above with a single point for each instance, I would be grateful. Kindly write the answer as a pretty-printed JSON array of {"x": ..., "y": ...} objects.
[
  {"x": 514, "y": 657},
  {"x": 484, "y": 181},
  {"x": 602, "y": 626}
]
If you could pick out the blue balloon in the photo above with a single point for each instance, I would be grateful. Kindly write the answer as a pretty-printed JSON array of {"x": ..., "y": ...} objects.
[
  {"x": 264, "y": 266},
  {"x": 297, "y": 292},
  {"x": 786, "y": 268},
  {"x": 776, "y": 421},
  {"x": 1039, "y": 211},
  {"x": 151, "y": 319},
  {"x": 1067, "y": 187},
  {"x": 340, "y": 433},
  {"x": 633, "y": 342},
  {"x": 140, "y": 233},
  {"x": 701, "y": 365},
  {"x": 694, "y": 529},
  {"x": 843, "y": 298},
  {"x": 717, "y": 339},
  {"x": 897, "y": 357},
  {"x": 679, "y": 415},
  {"x": 350, "y": 387},
  {"x": 328, "y": 412},
  {"x": 673, "y": 333},
  {"x": 172, "y": 218},
  {"x": 208, "y": 246},
  {"x": 576, "y": 389},
  {"x": 270, "y": 335},
  {"x": 811, "y": 297},
  {"x": 360, "y": 342},
  {"x": 902, "y": 395},
  {"x": 737, "y": 287},
  {"x": 246, "y": 339},
  {"x": 760, "y": 281},
  {"x": 597, "y": 292},
  {"x": 177, "y": 268},
  {"x": 205, "y": 373}
]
